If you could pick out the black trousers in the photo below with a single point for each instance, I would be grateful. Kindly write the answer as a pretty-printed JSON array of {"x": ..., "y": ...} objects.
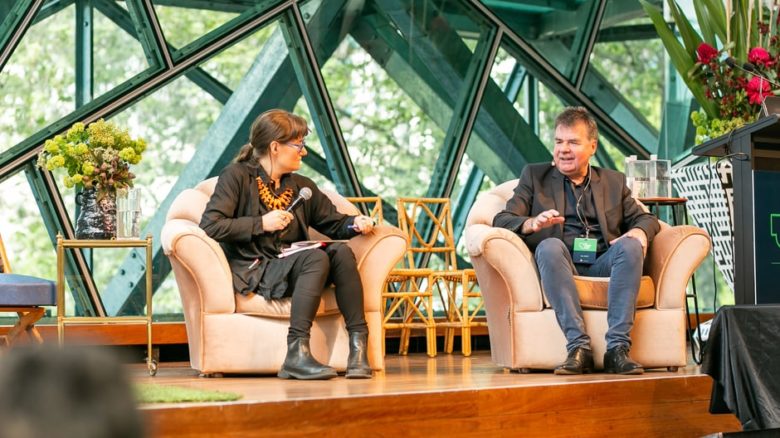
[{"x": 311, "y": 272}]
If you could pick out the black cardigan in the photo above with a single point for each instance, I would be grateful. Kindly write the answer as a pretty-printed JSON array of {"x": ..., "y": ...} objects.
[{"x": 233, "y": 217}]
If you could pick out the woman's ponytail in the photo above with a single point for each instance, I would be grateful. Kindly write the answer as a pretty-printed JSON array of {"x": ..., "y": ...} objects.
[{"x": 245, "y": 153}]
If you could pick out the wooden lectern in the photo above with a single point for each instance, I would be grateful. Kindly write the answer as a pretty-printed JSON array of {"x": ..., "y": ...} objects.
[{"x": 754, "y": 150}]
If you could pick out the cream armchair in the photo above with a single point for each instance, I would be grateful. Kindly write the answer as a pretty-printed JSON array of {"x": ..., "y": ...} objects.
[
  {"x": 524, "y": 333},
  {"x": 231, "y": 333}
]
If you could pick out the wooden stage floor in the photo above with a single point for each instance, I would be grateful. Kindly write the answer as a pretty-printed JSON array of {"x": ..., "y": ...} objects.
[{"x": 449, "y": 395}]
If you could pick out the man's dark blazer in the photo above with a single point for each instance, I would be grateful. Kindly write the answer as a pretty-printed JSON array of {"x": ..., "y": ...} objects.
[{"x": 541, "y": 188}]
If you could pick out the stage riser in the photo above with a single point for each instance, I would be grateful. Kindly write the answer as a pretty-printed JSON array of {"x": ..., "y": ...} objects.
[{"x": 674, "y": 406}]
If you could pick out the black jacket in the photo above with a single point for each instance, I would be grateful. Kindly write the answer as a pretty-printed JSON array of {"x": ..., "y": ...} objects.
[
  {"x": 233, "y": 217},
  {"x": 541, "y": 188}
]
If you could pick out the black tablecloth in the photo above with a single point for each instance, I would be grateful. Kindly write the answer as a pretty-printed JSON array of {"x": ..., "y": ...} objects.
[{"x": 742, "y": 355}]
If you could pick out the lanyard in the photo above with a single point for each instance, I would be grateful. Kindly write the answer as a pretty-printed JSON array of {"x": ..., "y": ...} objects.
[{"x": 581, "y": 216}]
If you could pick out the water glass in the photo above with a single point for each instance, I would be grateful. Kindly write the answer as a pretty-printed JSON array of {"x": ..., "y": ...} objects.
[{"x": 128, "y": 214}]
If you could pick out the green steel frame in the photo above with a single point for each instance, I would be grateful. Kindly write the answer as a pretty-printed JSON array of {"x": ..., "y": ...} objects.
[{"x": 450, "y": 80}]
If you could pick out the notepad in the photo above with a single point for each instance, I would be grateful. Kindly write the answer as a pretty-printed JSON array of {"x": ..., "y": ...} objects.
[{"x": 305, "y": 245}]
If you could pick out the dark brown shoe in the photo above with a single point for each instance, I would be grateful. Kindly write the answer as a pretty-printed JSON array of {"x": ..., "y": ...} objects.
[
  {"x": 579, "y": 361},
  {"x": 616, "y": 361}
]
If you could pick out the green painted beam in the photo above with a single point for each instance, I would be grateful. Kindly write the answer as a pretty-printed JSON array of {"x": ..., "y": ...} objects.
[
  {"x": 50, "y": 8},
  {"x": 236, "y": 6},
  {"x": 55, "y": 217},
  {"x": 15, "y": 26},
  {"x": 583, "y": 43},
  {"x": 532, "y": 6},
  {"x": 147, "y": 27},
  {"x": 631, "y": 32},
  {"x": 465, "y": 201},
  {"x": 84, "y": 62}
]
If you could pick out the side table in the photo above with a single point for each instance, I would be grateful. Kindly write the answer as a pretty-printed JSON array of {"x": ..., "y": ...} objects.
[
  {"x": 680, "y": 217},
  {"x": 62, "y": 320}
]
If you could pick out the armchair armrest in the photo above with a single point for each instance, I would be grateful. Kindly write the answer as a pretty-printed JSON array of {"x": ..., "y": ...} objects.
[
  {"x": 376, "y": 254},
  {"x": 672, "y": 258},
  {"x": 504, "y": 265},
  {"x": 202, "y": 272}
]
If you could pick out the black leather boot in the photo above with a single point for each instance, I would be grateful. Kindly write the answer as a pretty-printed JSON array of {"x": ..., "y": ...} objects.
[
  {"x": 357, "y": 363},
  {"x": 300, "y": 364},
  {"x": 616, "y": 361},
  {"x": 579, "y": 360}
]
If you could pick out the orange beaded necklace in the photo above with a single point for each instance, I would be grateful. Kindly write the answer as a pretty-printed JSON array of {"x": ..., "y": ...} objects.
[{"x": 271, "y": 200}]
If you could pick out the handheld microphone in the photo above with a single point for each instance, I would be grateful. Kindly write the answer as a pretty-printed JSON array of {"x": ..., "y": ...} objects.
[
  {"x": 303, "y": 195},
  {"x": 749, "y": 67}
]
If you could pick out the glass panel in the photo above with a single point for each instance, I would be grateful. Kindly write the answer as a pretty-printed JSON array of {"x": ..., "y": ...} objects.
[
  {"x": 503, "y": 140},
  {"x": 230, "y": 65},
  {"x": 629, "y": 60},
  {"x": 394, "y": 78},
  {"x": 555, "y": 29},
  {"x": 37, "y": 93},
  {"x": 181, "y": 26},
  {"x": 117, "y": 55},
  {"x": 315, "y": 151},
  {"x": 26, "y": 241}
]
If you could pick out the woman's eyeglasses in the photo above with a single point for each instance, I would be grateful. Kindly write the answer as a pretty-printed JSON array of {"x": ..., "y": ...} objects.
[{"x": 298, "y": 146}]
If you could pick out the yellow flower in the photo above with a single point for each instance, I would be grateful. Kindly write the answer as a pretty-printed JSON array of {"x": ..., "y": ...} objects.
[
  {"x": 68, "y": 182},
  {"x": 82, "y": 149},
  {"x": 51, "y": 147},
  {"x": 88, "y": 168},
  {"x": 55, "y": 162},
  {"x": 127, "y": 154}
]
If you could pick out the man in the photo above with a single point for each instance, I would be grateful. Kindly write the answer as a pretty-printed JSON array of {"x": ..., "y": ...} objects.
[{"x": 581, "y": 220}]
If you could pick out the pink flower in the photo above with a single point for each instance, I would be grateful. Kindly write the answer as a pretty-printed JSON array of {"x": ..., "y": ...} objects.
[
  {"x": 759, "y": 56},
  {"x": 757, "y": 89},
  {"x": 706, "y": 53}
]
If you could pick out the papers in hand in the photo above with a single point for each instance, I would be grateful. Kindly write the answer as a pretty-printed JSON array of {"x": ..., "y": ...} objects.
[{"x": 306, "y": 245}]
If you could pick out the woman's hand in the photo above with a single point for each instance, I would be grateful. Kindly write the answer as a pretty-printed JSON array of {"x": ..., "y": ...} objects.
[
  {"x": 276, "y": 220},
  {"x": 363, "y": 224}
]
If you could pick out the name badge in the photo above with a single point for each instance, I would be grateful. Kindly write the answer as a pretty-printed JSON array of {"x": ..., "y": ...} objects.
[{"x": 584, "y": 250}]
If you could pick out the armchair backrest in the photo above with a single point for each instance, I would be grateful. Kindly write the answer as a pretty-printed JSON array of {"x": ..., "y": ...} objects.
[
  {"x": 191, "y": 203},
  {"x": 489, "y": 203}
]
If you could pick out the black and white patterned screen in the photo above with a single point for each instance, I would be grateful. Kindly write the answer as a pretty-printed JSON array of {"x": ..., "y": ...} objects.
[{"x": 710, "y": 192}]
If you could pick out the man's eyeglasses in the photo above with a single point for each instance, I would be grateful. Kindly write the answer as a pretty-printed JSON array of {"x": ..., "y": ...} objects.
[{"x": 298, "y": 146}]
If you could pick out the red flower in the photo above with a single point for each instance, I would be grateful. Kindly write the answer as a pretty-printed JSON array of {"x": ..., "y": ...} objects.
[
  {"x": 706, "y": 53},
  {"x": 757, "y": 89},
  {"x": 759, "y": 56}
]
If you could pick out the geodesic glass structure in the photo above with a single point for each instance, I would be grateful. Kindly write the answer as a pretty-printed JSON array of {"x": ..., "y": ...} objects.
[{"x": 436, "y": 98}]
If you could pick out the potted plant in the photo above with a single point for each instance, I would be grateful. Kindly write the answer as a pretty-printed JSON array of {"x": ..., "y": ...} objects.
[
  {"x": 97, "y": 159},
  {"x": 731, "y": 66}
]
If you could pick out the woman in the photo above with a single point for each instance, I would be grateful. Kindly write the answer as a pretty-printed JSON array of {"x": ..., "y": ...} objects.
[{"x": 248, "y": 215}]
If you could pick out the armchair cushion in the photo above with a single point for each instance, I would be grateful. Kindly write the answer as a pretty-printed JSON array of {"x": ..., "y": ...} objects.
[
  {"x": 257, "y": 305},
  {"x": 593, "y": 292}
]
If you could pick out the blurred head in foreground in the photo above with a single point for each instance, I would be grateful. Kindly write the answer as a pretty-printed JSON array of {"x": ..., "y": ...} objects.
[{"x": 52, "y": 392}]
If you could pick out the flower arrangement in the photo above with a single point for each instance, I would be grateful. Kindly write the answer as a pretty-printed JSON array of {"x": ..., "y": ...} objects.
[
  {"x": 96, "y": 156},
  {"x": 731, "y": 66}
]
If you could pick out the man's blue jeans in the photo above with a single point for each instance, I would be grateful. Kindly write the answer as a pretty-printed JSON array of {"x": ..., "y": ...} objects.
[{"x": 622, "y": 263}]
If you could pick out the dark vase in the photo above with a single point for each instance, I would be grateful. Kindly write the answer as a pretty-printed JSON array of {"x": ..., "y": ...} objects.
[{"x": 97, "y": 219}]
